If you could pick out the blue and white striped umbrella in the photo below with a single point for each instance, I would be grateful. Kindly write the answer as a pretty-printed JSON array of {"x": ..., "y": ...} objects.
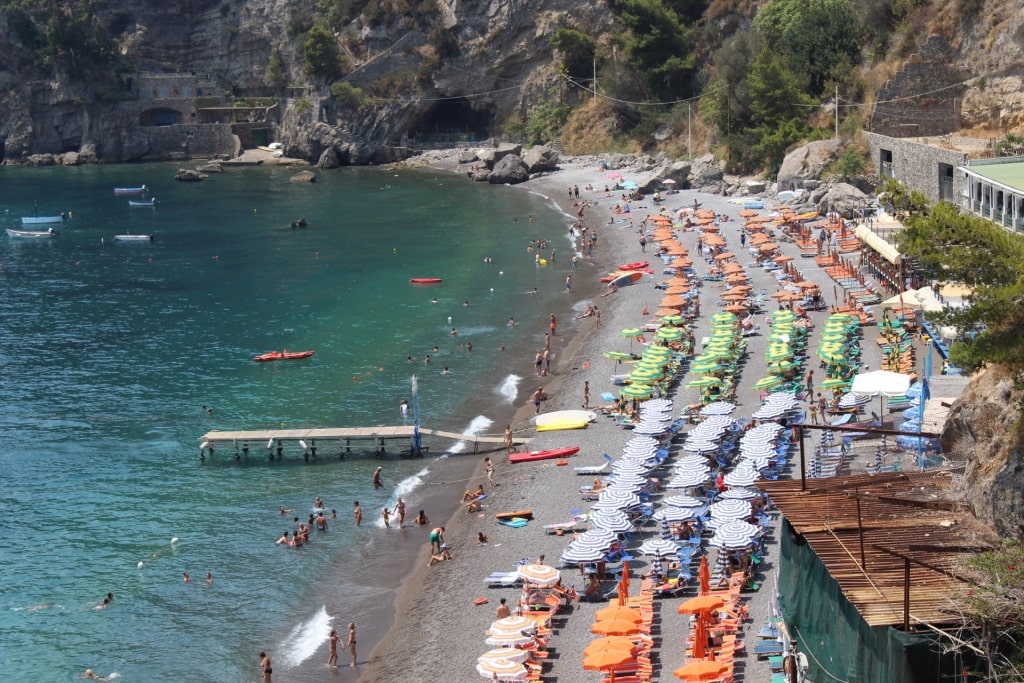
[
  {"x": 742, "y": 476},
  {"x": 582, "y": 554},
  {"x": 769, "y": 412},
  {"x": 611, "y": 520},
  {"x": 639, "y": 441},
  {"x": 853, "y": 400},
  {"x": 595, "y": 538},
  {"x": 630, "y": 467},
  {"x": 616, "y": 499},
  {"x": 696, "y": 446},
  {"x": 735, "y": 535},
  {"x": 740, "y": 493},
  {"x": 684, "y": 501},
  {"x": 717, "y": 408},
  {"x": 628, "y": 480},
  {"x": 648, "y": 460},
  {"x": 730, "y": 509},
  {"x": 690, "y": 461},
  {"x": 756, "y": 462},
  {"x": 659, "y": 547},
  {"x": 781, "y": 398},
  {"x": 659, "y": 404},
  {"x": 670, "y": 513},
  {"x": 688, "y": 480}
]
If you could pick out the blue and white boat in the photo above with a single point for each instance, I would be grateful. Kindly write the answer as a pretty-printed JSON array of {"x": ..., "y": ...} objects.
[
  {"x": 141, "y": 189},
  {"x": 142, "y": 202},
  {"x": 42, "y": 220}
]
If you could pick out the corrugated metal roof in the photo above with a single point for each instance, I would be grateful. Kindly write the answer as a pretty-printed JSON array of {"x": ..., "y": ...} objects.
[{"x": 865, "y": 528}]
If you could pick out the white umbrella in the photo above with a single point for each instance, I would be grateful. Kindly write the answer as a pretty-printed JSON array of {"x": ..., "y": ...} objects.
[
  {"x": 690, "y": 462},
  {"x": 659, "y": 547},
  {"x": 513, "y": 654},
  {"x": 539, "y": 574},
  {"x": 507, "y": 640},
  {"x": 769, "y": 412},
  {"x": 660, "y": 403},
  {"x": 643, "y": 441},
  {"x": 596, "y": 538},
  {"x": 880, "y": 382},
  {"x": 629, "y": 480},
  {"x": 513, "y": 624},
  {"x": 630, "y": 467}
]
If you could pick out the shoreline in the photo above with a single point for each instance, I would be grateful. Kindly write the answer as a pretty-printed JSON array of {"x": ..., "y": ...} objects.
[{"x": 414, "y": 634}]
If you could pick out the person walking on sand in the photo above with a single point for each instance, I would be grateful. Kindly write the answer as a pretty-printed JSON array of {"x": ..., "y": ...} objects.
[
  {"x": 552, "y": 323},
  {"x": 568, "y": 283},
  {"x": 597, "y": 317},
  {"x": 489, "y": 468},
  {"x": 503, "y": 609},
  {"x": 351, "y": 644},
  {"x": 266, "y": 669},
  {"x": 586, "y": 395},
  {"x": 537, "y": 398},
  {"x": 378, "y": 478},
  {"x": 538, "y": 362},
  {"x": 509, "y": 445},
  {"x": 332, "y": 648},
  {"x": 400, "y": 511},
  {"x": 358, "y": 511}
]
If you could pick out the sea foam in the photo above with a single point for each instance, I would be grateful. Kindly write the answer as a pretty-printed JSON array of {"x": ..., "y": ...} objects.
[
  {"x": 509, "y": 387},
  {"x": 404, "y": 488},
  {"x": 477, "y": 426},
  {"x": 306, "y": 638}
]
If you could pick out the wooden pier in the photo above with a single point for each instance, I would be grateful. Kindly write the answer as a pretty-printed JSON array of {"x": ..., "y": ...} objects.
[{"x": 335, "y": 440}]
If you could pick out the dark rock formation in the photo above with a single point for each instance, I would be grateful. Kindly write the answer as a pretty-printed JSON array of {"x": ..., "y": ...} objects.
[
  {"x": 303, "y": 177},
  {"x": 187, "y": 175},
  {"x": 984, "y": 432}
]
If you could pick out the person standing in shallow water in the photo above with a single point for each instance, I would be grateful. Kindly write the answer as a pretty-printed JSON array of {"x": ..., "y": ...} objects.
[
  {"x": 358, "y": 512},
  {"x": 378, "y": 478},
  {"x": 332, "y": 648}
]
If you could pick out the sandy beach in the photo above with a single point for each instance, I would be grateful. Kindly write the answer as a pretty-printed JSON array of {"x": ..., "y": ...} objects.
[{"x": 439, "y": 631}]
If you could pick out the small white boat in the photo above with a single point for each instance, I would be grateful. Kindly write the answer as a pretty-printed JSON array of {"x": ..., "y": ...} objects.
[
  {"x": 133, "y": 238},
  {"x": 141, "y": 189},
  {"x": 31, "y": 234},
  {"x": 142, "y": 202},
  {"x": 41, "y": 220}
]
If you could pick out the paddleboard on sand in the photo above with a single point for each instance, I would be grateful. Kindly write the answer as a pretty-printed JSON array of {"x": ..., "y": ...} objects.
[
  {"x": 627, "y": 279},
  {"x": 563, "y": 419}
]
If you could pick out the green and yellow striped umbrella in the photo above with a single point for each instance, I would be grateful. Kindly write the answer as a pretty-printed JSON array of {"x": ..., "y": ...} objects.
[
  {"x": 834, "y": 382},
  {"x": 669, "y": 334},
  {"x": 705, "y": 381},
  {"x": 672, "y": 319},
  {"x": 768, "y": 382},
  {"x": 638, "y": 391}
]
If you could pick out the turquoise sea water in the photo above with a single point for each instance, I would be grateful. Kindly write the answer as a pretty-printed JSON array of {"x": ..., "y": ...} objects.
[{"x": 108, "y": 352}]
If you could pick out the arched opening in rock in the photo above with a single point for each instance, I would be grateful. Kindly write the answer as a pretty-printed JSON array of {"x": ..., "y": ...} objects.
[{"x": 453, "y": 120}]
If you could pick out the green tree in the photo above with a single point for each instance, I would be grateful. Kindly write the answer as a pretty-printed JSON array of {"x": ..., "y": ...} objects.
[
  {"x": 275, "y": 74},
  {"x": 347, "y": 95},
  {"x": 658, "y": 45},
  {"x": 953, "y": 247},
  {"x": 778, "y": 107},
  {"x": 545, "y": 121},
  {"x": 321, "y": 52},
  {"x": 818, "y": 35},
  {"x": 993, "y": 609},
  {"x": 577, "y": 51}
]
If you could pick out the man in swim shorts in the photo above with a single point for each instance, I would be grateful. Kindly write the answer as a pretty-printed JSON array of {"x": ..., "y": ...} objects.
[{"x": 436, "y": 538}]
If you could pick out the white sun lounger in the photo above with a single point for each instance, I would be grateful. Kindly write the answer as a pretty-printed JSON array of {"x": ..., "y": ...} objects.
[
  {"x": 502, "y": 578},
  {"x": 594, "y": 469}
]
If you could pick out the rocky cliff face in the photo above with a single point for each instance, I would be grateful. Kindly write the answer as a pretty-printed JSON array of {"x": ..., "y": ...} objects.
[{"x": 984, "y": 432}]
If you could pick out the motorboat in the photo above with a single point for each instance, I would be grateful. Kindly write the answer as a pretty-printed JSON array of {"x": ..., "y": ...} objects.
[
  {"x": 11, "y": 232},
  {"x": 141, "y": 189},
  {"x": 133, "y": 238},
  {"x": 142, "y": 202}
]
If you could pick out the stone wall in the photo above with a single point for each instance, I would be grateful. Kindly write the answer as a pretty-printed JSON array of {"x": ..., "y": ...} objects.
[
  {"x": 933, "y": 90},
  {"x": 192, "y": 140},
  {"x": 918, "y": 165}
]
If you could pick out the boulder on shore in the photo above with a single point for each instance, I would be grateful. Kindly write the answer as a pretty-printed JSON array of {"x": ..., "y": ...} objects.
[
  {"x": 540, "y": 158},
  {"x": 510, "y": 169}
]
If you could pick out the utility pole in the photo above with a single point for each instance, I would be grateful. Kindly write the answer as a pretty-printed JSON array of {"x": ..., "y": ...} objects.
[
  {"x": 837, "y": 111},
  {"x": 595, "y": 77},
  {"x": 689, "y": 149}
]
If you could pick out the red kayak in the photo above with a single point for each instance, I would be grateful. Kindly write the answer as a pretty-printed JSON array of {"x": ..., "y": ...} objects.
[
  {"x": 425, "y": 280},
  {"x": 638, "y": 265},
  {"x": 550, "y": 454},
  {"x": 282, "y": 355}
]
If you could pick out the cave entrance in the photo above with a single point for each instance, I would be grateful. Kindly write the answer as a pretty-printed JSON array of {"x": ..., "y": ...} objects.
[{"x": 453, "y": 120}]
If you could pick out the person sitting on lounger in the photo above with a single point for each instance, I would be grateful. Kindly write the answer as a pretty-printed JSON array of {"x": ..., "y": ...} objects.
[{"x": 597, "y": 485}]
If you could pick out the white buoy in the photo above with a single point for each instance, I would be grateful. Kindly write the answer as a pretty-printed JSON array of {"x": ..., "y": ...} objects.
[
  {"x": 492, "y": 289},
  {"x": 174, "y": 540},
  {"x": 140, "y": 565},
  {"x": 501, "y": 272}
]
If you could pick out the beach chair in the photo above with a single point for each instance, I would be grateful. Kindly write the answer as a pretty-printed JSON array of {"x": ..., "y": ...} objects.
[
  {"x": 502, "y": 579},
  {"x": 589, "y": 470}
]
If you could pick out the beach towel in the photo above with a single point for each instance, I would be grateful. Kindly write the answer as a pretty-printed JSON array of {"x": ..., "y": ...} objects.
[{"x": 515, "y": 522}]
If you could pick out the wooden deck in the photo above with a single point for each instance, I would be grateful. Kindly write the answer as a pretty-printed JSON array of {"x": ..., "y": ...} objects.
[{"x": 334, "y": 440}]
